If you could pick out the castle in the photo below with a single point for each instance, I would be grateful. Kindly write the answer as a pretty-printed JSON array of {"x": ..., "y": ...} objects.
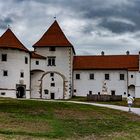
[{"x": 54, "y": 71}]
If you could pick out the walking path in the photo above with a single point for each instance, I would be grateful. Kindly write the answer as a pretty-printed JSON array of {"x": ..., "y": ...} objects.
[{"x": 122, "y": 108}]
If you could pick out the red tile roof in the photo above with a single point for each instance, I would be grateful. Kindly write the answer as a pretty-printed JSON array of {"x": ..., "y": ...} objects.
[
  {"x": 129, "y": 62},
  {"x": 9, "y": 40},
  {"x": 54, "y": 36},
  {"x": 37, "y": 56}
]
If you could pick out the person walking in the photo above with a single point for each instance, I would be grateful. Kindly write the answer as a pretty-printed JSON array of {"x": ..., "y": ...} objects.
[{"x": 130, "y": 100}]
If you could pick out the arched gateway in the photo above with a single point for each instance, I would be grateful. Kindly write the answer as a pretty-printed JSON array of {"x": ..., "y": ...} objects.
[
  {"x": 53, "y": 85},
  {"x": 131, "y": 90},
  {"x": 20, "y": 92}
]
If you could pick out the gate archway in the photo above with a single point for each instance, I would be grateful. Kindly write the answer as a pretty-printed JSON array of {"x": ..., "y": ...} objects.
[
  {"x": 55, "y": 72},
  {"x": 20, "y": 92},
  {"x": 131, "y": 90}
]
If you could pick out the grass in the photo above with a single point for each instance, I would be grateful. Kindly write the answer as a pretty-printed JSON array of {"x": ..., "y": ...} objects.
[
  {"x": 26, "y": 119},
  {"x": 120, "y": 103}
]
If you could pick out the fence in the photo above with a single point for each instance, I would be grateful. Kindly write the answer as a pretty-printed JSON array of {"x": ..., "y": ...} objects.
[{"x": 104, "y": 98}]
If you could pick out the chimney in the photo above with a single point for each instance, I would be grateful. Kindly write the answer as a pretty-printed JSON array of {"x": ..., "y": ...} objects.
[
  {"x": 127, "y": 53},
  {"x": 102, "y": 53}
]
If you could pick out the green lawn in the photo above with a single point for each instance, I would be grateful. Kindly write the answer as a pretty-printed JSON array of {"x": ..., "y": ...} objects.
[
  {"x": 121, "y": 103},
  {"x": 26, "y": 119}
]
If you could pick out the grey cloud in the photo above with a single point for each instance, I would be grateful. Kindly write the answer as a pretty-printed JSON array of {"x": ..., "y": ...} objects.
[
  {"x": 31, "y": 18},
  {"x": 118, "y": 27},
  {"x": 5, "y": 22}
]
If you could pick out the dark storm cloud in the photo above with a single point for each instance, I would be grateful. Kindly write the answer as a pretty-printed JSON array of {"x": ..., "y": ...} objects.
[
  {"x": 118, "y": 27},
  {"x": 4, "y": 22},
  {"x": 104, "y": 9},
  {"x": 128, "y": 12},
  {"x": 88, "y": 23}
]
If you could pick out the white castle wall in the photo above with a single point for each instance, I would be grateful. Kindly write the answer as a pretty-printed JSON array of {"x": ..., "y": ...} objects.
[
  {"x": 58, "y": 89},
  {"x": 84, "y": 85},
  {"x": 35, "y": 83},
  {"x": 41, "y": 66},
  {"x": 64, "y": 64},
  {"x": 137, "y": 87},
  {"x": 15, "y": 64},
  {"x": 132, "y": 77}
]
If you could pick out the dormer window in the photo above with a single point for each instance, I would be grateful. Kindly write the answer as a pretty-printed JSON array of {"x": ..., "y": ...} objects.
[
  {"x": 4, "y": 57},
  {"x": 52, "y": 49}
]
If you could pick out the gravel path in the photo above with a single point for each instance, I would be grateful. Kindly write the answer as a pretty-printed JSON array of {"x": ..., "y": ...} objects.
[{"x": 123, "y": 108}]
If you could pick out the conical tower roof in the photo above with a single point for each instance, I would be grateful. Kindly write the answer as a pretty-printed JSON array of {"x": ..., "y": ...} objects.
[
  {"x": 54, "y": 36},
  {"x": 9, "y": 40}
]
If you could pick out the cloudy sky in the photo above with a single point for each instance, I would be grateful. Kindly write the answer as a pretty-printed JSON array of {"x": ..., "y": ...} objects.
[{"x": 92, "y": 26}]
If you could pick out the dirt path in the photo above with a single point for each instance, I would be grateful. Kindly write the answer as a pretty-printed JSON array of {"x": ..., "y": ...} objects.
[{"x": 123, "y": 108}]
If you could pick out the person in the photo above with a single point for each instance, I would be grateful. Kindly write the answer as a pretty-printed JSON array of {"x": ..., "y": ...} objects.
[{"x": 130, "y": 100}]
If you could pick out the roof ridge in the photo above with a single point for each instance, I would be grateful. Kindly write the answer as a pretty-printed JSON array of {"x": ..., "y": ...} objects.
[{"x": 105, "y": 55}]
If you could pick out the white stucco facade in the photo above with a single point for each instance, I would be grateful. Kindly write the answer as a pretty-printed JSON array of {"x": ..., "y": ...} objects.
[
  {"x": 84, "y": 85},
  {"x": 50, "y": 73},
  {"x": 59, "y": 81},
  {"x": 14, "y": 65},
  {"x": 62, "y": 74}
]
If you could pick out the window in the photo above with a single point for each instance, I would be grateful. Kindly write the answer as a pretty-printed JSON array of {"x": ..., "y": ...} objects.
[
  {"x": 2, "y": 93},
  {"x": 121, "y": 76},
  {"x": 90, "y": 92},
  {"x": 52, "y": 49},
  {"x": 22, "y": 74},
  {"x": 5, "y": 73},
  {"x": 106, "y": 76},
  {"x": 51, "y": 61},
  {"x": 37, "y": 62},
  {"x": 91, "y": 76},
  {"x": 131, "y": 76},
  {"x": 51, "y": 74},
  {"x": 4, "y": 57},
  {"x": 52, "y": 84},
  {"x": 26, "y": 60},
  {"x": 46, "y": 91},
  {"x": 112, "y": 92},
  {"x": 74, "y": 90},
  {"x": 77, "y": 76}
]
